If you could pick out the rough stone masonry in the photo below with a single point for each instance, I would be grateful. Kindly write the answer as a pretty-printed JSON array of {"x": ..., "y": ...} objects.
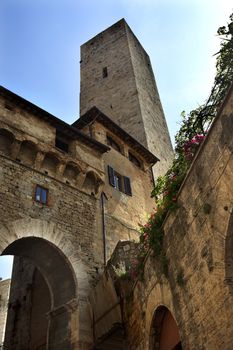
[{"x": 71, "y": 199}]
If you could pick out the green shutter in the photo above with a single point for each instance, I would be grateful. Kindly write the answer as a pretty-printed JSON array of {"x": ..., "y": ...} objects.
[
  {"x": 111, "y": 176},
  {"x": 127, "y": 185}
]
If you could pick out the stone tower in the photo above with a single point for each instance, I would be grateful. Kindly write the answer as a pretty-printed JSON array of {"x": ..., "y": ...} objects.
[{"x": 117, "y": 77}]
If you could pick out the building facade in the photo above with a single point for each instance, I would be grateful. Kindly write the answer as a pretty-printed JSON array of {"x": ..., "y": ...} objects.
[{"x": 72, "y": 199}]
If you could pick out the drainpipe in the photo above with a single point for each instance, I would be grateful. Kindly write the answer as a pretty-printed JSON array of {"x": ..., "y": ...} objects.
[{"x": 103, "y": 197}]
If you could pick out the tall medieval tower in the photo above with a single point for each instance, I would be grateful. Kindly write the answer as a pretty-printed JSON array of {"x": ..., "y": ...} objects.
[{"x": 117, "y": 78}]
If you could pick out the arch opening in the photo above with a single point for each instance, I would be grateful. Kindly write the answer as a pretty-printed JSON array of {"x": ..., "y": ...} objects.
[
  {"x": 50, "y": 164},
  {"x": 27, "y": 153},
  {"x": 6, "y": 141},
  {"x": 43, "y": 287},
  {"x": 92, "y": 183},
  {"x": 164, "y": 334},
  {"x": 71, "y": 173}
]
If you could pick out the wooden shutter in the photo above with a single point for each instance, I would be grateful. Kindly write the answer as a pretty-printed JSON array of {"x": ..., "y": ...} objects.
[
  {"x": 111, "y": 176},
  {"x": 127, "y": 185}
]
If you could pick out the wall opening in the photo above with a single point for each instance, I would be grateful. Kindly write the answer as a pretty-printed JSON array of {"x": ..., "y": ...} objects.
[
  {"x": 164, "y": 334},
  {"x": 229, "y": 255},
  {"x": 42, "y": 289},
  {"x": 5, "y": 280},
  {"x": 6, "y": 141}
]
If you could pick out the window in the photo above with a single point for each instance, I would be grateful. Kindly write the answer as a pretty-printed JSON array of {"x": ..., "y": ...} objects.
[
  {"x": 119, "y": 182},
  {"x": 61, "y": 143},
  {"x": 41, "y": 195},
  {"x": 105, "y": 72},
  {"x": 113, "y": 144},
  {"x": 134, "y": 160}
]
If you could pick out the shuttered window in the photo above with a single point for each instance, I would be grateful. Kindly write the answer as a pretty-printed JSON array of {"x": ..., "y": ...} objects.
[
  {"x": 111, "y": 176},
  {"x": 127, "y": 186},
  {"x": 119, "y": 182}
]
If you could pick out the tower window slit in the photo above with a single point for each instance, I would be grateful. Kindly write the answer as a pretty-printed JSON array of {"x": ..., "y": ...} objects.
[{"x": 105, "y": 72}]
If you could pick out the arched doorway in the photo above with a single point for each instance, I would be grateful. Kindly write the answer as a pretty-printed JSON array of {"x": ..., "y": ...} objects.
[
  {"x": 164, "y": 334},
  {"x": 42, "y": 298}
]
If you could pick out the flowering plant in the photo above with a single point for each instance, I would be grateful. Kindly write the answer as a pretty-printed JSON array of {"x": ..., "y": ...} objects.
[
  {"x": 165, "y": 194},
  {"x": 190, "y": 147}
]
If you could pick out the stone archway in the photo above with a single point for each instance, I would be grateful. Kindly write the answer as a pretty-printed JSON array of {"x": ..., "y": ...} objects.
[
  {"x": 164, "y": 333},
  {"x": 55, "y": 278},
  {"x": 58, "y": 263}
]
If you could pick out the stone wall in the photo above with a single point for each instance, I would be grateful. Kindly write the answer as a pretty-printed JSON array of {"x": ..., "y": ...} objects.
[
  {"x": 153, "y": 120},
  {"x": 124, "y": 213},
  {"x": 70, "y": 224},
  {"x": 69, "y": 220},
  {"x": 4, "y": 294},
  {"x": 29, "y": 303},
  {"x": 197, "y": 287},
  {"x": 128, "y": 94}
]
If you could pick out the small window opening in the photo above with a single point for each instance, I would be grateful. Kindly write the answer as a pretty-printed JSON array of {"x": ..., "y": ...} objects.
[
  {"x": 60, "y": 142},
  {"x": 105, "y": 72},
  {"x": 119, "y": 182},
  {"x": 41, "y": 194},
  {"x": 113, "y": 144},
  {"x": 134, "y": 160}
]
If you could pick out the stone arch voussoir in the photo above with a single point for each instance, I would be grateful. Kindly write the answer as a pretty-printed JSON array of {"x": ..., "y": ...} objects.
[
  {"x": 159, "y": 295},
  {"x": 29, "y": 227}
]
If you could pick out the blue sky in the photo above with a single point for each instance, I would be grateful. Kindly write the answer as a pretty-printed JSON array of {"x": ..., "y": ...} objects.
[{"x": 40, "y": 40}]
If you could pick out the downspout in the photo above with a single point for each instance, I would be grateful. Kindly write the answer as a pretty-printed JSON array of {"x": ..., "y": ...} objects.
[{"x": 103, "y": 196}]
